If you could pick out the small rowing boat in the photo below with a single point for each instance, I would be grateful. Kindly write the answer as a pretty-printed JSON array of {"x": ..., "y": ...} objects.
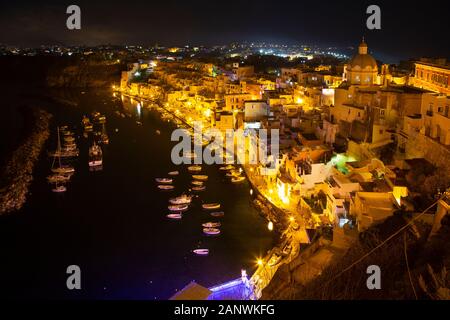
[
  {"x": 197, "y": 183},
  {"x": 183, "y": 199},
  {"x": 211, "y": 231},
  {"x": 237, "y": 179},
  {"x": 211, "y": 224},
  {"x": 164, "y": 180},
  {"x": 210, "y": 206},
  {"x": 174, "y": 216},
  {"x": 198, "y": 188},
  {"x": 178, "y": 207},
  {"x": 200, "y": 177},
  {"x": 166, "y": 187},
  {"x": 217, "y": 214},
  {"x": 201, "y": 252},
  {"x": 194, "y": 168},
  {"x": 173, "y": 173}
]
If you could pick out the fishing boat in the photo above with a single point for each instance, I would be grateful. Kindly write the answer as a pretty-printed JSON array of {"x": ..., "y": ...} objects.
[
  {"x": 95, "y": 155},
  {"x": 237, "y": 179},
  {"x": 173, "y": 173},
  {"x": 211, "y": 231},
  {"x": 209, "y": 206},
  {"x": 194, "y": 168},
  {"x": 174, "y": 216},
  {"x": 198, "y": 188},
  {"x": 200, "y": 177},
  {"x": 178, "y": 207},
  {"x": 164, "y": 180},
  {"x": 197, "y": 183},
  {"x": 166, "y": 187},
  {"x": 201, "y": 252},
  {"x": 183, "y": 199},
  {"x": 217, "y": 214},
  {"x": 211, "y": 224}
]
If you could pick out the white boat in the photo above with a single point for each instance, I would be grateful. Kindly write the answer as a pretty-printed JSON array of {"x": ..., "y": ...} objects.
[
  {"x": 174, "y": 216},
  {"x": 210, "y": 206},
  {"x": 95, "y": 155},
  {"x": 194, "y": 168},
  {"x": 211, "y": 224},
  {"x": 164, "y": 180},
  {"x": 59, "y": 189},
  {"x": 198, "y": 188},
  {"x": 211, "y": 231},
  {"x": 165, "y": 187},
  {"x": 178, "y": 207},
  {"x": 200, "y": 177},
  {"x": 217, "y": 214},
  {"x": 173, "y": 173},
  {"x": 158, "y": 132},
  {"x": 183, "y": 199},
  {"x": 197, "y": 183},
  {"x": 237, "y": 179},
  {"x": 201, "y": 252}
]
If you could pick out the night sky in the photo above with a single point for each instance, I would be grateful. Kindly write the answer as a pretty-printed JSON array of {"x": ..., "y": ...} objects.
[{"x": 409, "y": 29}]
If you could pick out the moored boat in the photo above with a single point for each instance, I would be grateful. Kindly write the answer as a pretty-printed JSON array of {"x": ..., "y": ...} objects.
[
  {"x": 217, "y": 214},
  {"x": 197, "y": 183},
  {"x": 183, "y": 199},
  {"x": 211, "y": 224},
  {"x": 200, "y": 177},
  {"x": 174, "y": 216},
  {"x": 194, "y": 168},
  {"x": 201, "y": 252},
  {"x": 165, "y": 187},
  {"x": 95, "y": 155},
  {"x": 237, "y": 179},
  {"x": 211, "y": 231},
  {"x": 59, "y": 189},
  {"x": 178, "y": 207},
  {"x": 198, "y": 188},
  {"x": 164, "y": 180},
  {"x": 173, "y": 173},
  {"x": 210, "y": 206}
]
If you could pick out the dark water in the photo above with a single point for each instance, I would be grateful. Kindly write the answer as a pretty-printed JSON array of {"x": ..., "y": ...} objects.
[{"x": 112, "y": 223}]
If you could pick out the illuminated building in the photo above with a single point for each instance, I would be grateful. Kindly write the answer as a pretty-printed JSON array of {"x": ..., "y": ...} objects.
[
  {"x": 433, "y": 76},
  {"x": 362, "y": 69}
]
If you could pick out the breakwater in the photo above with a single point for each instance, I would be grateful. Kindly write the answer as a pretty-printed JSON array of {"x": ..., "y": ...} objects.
[{"x": 17, "y": 173}]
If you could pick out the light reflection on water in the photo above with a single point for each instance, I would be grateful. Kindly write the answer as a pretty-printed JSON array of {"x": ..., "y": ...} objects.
[{"x": 112, "y": 223}]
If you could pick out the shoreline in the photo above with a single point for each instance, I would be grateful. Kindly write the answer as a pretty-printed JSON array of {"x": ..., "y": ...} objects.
[{"x": 17, "y": 172}]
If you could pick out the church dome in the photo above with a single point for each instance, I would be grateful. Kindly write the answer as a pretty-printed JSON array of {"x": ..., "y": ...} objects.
[{"x": 363, "y": 60}]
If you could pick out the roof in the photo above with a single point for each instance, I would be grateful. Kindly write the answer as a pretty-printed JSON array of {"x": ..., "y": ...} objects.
[
  {"x": 363, "y": 61},
  {"x": 192, "y": 291}
]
